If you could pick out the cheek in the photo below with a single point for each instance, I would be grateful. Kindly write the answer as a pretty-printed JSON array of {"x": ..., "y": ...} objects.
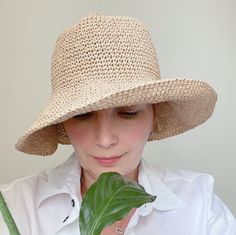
[
  {"x": 78, "y": 138},
  {"x": 138, "y": 135},
  {"x": 142, "y": 130}
]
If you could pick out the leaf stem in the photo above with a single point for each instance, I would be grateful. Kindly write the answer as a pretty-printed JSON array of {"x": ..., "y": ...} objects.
[{"x": 8, "y": 217}]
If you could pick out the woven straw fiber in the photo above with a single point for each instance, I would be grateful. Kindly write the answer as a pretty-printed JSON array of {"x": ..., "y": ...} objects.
[{"x": 108, "y": 61}]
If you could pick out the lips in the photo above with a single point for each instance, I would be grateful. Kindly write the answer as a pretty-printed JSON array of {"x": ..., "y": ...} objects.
[
  {"x": 109, "y": 157},
  {"x": 107, "y": 160}
]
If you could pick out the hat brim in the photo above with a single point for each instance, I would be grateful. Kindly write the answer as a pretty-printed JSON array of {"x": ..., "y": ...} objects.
[{"x": 183, "y": 104}]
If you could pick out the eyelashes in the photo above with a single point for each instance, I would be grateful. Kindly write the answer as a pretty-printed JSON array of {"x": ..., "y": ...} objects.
[
  {"x": 129, "y": 114},
  {"x": 86, "y": 116},
  {"x": 82, "y": 116}
]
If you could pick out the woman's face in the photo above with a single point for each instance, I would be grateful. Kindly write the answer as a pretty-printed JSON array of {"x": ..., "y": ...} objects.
[{"x": 111, "y": 139}]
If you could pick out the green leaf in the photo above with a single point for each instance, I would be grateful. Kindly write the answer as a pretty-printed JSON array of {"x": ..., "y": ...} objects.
[
  {"x": 8, "y": 217},
  {"x": 110, "y": 199}
]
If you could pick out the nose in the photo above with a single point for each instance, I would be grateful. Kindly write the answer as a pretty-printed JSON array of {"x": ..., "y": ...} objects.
[{"x": 105, "y": 133}]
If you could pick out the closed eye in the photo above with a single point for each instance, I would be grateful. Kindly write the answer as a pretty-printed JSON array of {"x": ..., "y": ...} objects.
[
  {"x": 83, "y": 116},
  {"x": 129, "y": 114}
]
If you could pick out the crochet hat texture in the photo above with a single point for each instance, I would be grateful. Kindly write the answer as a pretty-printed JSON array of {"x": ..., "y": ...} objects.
[{"x": 109, "y": 61}]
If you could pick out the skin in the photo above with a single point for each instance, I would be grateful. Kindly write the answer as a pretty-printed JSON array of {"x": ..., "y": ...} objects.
[
  {"x": 110, "y": 132},
  {"x": 121, "y": 131}
]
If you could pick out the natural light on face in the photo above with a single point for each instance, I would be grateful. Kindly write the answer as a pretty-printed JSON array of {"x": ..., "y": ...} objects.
[{"x": 111, "y": 139}]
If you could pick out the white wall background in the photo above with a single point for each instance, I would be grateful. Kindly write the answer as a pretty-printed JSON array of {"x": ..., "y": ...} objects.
[{"x": 193, "y": 39}]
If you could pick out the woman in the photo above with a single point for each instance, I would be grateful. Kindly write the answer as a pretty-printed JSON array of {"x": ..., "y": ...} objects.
[{"x": 107, "y": 101}]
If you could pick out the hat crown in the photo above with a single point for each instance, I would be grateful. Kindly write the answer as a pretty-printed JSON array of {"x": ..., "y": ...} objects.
[{"x": 101, "y": 51}]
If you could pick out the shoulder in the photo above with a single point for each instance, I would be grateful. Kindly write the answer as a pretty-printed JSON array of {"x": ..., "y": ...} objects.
[
  {"x": 24, "y": 187},
  {"x": 202, "y": 207},
  {"x": 196, "y": 189},
  {"x": 21, "y": 197},
  {"x": 181, "y": 177},
  {"x": 193, "y": 188}
]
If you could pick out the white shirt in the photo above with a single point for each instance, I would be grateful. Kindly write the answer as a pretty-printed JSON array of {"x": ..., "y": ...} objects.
[{"x": 48, "y": 203}]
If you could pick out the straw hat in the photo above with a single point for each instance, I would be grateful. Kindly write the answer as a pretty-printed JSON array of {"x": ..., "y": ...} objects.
[{"x": 108, "y": 61}]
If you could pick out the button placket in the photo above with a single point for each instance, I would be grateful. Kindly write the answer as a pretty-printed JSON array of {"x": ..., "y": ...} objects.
[{"x": 73, "y": 214}]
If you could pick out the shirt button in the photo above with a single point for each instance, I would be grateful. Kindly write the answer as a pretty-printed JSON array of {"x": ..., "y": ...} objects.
[
  {"x": 65, "y": 219},
  {"x": 73, "y": 203}
]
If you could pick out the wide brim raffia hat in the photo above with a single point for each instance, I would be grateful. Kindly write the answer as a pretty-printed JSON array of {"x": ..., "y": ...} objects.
[{"x": 109, "y": 61}]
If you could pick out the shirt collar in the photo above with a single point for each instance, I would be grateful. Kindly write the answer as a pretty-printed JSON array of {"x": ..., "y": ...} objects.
[
  {"x": 65, "y": 179},
  {"x": 166, "y": 199}
]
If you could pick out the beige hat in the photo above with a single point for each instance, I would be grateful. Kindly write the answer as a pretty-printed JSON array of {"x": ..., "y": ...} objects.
[{"x": 109, "y": 61}]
